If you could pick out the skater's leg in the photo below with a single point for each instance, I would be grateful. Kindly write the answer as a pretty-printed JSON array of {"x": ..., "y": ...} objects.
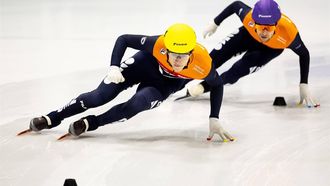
[
  {"x": 250, "y": 63},
  {"x": 100, "y": 96},
  {"x": 144, "y": 99},
  {"x": 132, "y": 70},
  {"x": 149, "y": 95},
  {"x": 233, "y": 45}
]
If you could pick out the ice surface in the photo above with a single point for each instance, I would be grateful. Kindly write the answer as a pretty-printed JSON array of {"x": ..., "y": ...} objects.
[{"x": 51, "y": 51}]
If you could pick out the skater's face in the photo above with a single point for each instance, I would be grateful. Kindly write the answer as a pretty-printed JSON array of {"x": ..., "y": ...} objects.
[
  {"x": 265, "y": 32},
  {"x": 178, "y": 61}
]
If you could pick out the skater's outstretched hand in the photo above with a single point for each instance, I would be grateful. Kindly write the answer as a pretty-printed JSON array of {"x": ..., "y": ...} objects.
[
  {"x": 305, "y": 96},
  {"x": 216, "y": 128}
]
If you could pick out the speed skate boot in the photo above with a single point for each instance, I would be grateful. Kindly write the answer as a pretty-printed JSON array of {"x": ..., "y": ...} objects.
[
  {"x": 40, "y": 123},
  {"x": 78, "y": 127}
]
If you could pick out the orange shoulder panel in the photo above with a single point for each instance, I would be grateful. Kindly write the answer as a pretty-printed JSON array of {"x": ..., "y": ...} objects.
[
  {"x": 285, "y": 32},
  {"x": 199, "y": 66}
]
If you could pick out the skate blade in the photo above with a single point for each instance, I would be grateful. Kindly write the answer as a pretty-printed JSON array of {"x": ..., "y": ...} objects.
[
  {"x": 24, "y": 132},
  {"x": 179, "y": 98},
  {"x": 64, "y": 137},
  {"x": 183, "y": 97}
]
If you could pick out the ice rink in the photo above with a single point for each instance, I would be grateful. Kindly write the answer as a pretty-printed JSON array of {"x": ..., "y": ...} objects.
[{"x": 52, "y": 51}]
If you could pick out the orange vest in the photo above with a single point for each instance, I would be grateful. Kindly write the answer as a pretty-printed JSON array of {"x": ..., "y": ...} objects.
[
  {"x": 198, "y": 67},
  {"x": 285, "y": 32}
]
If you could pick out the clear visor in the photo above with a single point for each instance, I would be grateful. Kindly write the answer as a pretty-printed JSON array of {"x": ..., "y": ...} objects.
[
  {"x": 178, "y": 55},
  {"x": 269, "y": 28}
]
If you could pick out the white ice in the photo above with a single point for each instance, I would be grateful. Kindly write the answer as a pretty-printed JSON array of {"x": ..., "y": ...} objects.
[{"x": 52, "y": 51}]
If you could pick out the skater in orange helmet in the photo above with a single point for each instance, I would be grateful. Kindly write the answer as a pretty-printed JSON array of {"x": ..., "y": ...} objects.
[{"x": 161, "y": 67}]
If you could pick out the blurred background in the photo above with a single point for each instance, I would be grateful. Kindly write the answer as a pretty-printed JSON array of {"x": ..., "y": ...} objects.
[{"x": 42, "y": 38}]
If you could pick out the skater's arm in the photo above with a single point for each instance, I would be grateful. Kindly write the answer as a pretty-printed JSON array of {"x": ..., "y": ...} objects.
[
  {"x": 138, "y": 42},
  {"x": 216, "y": 92},
  {"x": 300, "y": 49},
  {"x": 237, "y": 7}
]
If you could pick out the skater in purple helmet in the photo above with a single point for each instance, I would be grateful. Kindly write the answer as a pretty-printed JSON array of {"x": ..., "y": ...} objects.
[{"x": 265, "y": 33}]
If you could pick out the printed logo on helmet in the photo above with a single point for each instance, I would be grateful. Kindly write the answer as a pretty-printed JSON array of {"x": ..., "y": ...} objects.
[
  {"x": 265, "y": 16},
  {"x": 180, "y": 44}
]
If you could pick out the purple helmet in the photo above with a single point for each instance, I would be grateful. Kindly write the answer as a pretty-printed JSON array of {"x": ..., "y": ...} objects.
[{"x": 266, "y": 12}]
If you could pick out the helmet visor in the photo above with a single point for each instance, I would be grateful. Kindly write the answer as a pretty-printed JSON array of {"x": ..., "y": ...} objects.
[
  {"x": 179, "y": 55},
  {"x": 269, "y": 28}
]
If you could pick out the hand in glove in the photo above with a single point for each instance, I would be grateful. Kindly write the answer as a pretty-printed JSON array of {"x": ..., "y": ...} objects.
[
  {"x": 216, "y": 128},
  {"x": 210, "y": 29},
  {"x": 114, "y": 76},
  {"x": 195, "y": 90},
  {"x": 305, "y": 95}
]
